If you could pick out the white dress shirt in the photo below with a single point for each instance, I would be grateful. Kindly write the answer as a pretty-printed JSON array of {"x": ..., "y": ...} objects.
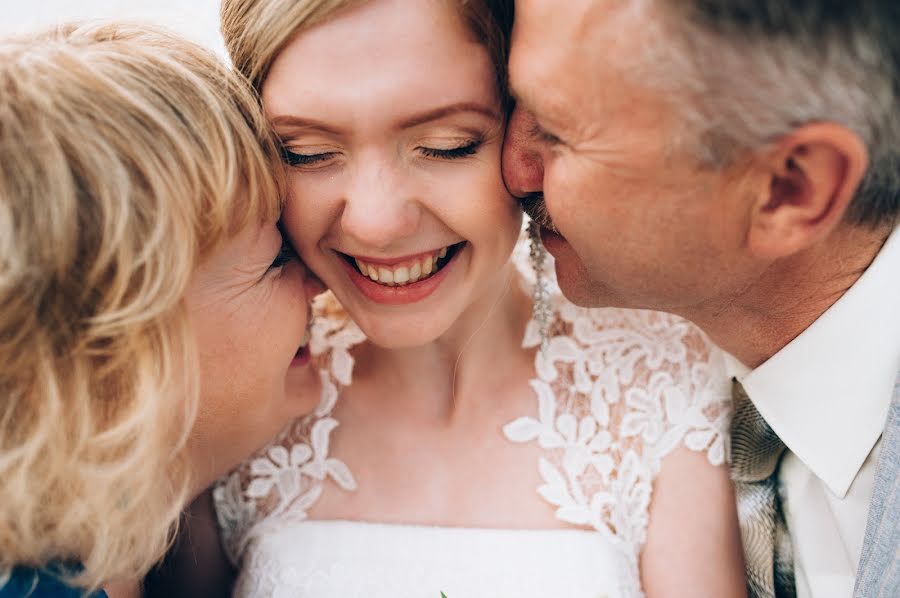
[{"x": 826, "y": 394}]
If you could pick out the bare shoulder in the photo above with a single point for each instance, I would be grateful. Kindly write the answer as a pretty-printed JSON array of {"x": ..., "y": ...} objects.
[{"x": 693, "y": 524}]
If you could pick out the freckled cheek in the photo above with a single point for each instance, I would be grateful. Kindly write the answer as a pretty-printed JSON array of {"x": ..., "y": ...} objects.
[
  {"x": 481, "y": 191},
  {"x": 312, "y": 208},
  {"x": 486, "y": 214},
  {"x": 577, "y": 189}
]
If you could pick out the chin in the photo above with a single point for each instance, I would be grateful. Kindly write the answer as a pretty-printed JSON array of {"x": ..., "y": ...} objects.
[
  {"x": 404, "y": 332},
  {"x": 571, "y": 273},
  {"x": 577, "y": 288}
]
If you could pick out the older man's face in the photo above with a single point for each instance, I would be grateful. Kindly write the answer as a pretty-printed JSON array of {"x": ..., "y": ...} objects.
[{"x": 640, "y": 224}]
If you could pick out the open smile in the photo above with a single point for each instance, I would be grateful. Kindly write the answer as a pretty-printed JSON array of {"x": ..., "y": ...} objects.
[
  {"x": 402, "y": 280},
  {"x": 406, "y": 271}
]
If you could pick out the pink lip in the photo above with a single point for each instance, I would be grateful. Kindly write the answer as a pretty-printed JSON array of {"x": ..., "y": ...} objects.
[
  {"x": 411, "y": 293},
  {"x": 395, "y": 260},
  {"x": 302, "y": 357}
]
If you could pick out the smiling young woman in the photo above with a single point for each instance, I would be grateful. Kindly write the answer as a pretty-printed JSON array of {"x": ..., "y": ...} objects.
[{"x": 447, "y": 452}]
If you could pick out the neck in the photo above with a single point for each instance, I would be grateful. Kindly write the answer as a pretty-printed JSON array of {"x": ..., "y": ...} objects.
[
  {"x": 463, "y": 362},
  {"x": 789, "y": 295}
]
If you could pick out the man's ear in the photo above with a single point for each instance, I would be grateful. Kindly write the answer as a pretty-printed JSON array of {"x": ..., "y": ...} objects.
[{"x": 811, "y": 175}]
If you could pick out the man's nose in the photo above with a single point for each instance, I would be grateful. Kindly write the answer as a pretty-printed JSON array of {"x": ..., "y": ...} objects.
[{"x": 523, "y": 167}]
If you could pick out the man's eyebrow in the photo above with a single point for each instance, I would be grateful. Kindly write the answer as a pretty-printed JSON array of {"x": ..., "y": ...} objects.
[
  {"x": 445, "y": 111},
  {"x": 541, "y": 117},
  {"x": 290, "y": 120},
  {"x": 521, "y": 100}
]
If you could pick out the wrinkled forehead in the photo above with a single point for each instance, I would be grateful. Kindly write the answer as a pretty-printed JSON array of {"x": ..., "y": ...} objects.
[
  {"x": 578, "y": 20},
  {"x": 554, "y": 45}
]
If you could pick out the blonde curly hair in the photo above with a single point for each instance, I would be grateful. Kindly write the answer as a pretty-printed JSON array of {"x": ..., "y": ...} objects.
[{"x": 126, "y": 155}]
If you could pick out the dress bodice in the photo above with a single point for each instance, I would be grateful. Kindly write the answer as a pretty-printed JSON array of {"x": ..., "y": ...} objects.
[
  {"x": 615, "y": 391},
  {"x": 349, "y": 559}
]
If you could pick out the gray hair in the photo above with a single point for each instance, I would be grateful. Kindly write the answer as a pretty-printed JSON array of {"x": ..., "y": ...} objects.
[{"x": 759, "y": 68}]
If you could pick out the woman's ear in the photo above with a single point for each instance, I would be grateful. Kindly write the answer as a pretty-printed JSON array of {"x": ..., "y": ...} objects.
[{"x": 811, "y": 175}]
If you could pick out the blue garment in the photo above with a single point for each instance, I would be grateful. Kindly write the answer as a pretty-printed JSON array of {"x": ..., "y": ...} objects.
[{"x": 31, "y": 583}]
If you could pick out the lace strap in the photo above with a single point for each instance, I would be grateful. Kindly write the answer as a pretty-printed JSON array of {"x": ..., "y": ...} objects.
[{"x": 617, "y": 391}]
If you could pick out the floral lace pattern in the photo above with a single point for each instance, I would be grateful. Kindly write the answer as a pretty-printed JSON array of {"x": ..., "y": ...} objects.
[{"x": 616, "y": 391}]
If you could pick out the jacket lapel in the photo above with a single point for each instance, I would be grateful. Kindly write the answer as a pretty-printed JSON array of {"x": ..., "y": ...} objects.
[{"x": 879, "y": 566}]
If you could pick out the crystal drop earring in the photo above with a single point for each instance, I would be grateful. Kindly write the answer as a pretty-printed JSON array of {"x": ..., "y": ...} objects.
[{"x": 540, "y": 310}]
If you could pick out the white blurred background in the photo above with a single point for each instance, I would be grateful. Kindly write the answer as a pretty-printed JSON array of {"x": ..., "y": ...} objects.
[{"x": 196, "y": 19}]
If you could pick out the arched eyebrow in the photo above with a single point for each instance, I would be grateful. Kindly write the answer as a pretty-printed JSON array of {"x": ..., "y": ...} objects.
[
  {"x": 445, "y": 111},
  {"x": 289, "y": 120}
]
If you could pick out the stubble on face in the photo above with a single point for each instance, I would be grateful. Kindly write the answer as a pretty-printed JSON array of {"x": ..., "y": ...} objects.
[{"x": 640, "y": 219}]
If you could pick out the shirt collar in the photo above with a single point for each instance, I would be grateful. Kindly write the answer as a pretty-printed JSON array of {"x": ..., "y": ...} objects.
[{"x": 827, "y": 393}]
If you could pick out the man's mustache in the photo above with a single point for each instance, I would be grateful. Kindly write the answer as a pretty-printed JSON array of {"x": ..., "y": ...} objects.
[{"x": 533, "y": 205}]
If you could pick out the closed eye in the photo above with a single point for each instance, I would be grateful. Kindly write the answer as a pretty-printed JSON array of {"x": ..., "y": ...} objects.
[
  {"x": 294, "y": 159},
  {"x": 285, "y": 254},
  {"x": 454, "y": 153},
  {"x": 541, "y": 135}
]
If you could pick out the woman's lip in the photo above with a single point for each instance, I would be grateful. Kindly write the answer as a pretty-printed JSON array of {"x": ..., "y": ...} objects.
[
  {"x": 396, "y": 260},
  {"x": 302, "y": 357},
  {"x": 410, "y": 293}
]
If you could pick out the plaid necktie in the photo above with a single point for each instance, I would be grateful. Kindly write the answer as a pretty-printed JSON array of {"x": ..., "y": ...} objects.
[{"x": 755, "y": 455}]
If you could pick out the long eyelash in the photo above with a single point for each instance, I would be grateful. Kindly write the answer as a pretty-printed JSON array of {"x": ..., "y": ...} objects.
[
  {"x": 295, "y": 159},
  {"x": 453, "y": 153}
]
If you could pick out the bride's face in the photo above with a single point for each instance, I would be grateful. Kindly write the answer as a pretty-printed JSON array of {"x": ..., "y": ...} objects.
[{"x": 392, "y": 131}]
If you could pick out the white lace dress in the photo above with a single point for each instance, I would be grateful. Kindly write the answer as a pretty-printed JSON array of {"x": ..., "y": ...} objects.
[{"x": 615, "y": 391}]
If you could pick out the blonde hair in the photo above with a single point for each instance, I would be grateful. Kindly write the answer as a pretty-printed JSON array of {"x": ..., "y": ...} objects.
[
  {"x": 256, "y": 31},
  {"x": 126, "y": 155}
]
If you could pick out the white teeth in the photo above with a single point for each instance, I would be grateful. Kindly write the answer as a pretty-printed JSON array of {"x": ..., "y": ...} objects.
[
  {"x": 401, "y": 275},
  {"x": 408, "y": 273}
]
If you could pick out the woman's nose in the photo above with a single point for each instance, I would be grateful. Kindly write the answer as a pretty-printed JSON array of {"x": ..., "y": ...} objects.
[{"x": 379, "y": 207}]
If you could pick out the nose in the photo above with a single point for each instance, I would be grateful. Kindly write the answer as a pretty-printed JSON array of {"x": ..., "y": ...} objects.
[
  {"x": 379, "y": 206},
  {"x": 523, "y": 167}
]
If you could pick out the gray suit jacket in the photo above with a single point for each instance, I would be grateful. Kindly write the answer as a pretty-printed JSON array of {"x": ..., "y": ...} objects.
[{"x": 879, "y": 566}]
